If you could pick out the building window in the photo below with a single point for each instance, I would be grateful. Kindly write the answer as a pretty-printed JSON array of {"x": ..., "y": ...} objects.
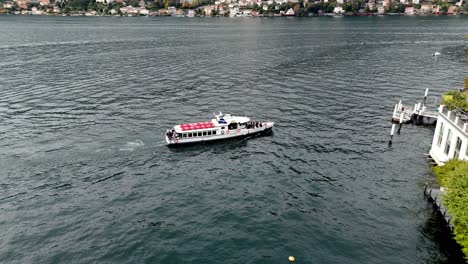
[
  {"x": 457, "y": 148},
  {"x": 204, "y": 133},
  {"x": 441, "y": 134},
  {"x": 447, "y": 145}
]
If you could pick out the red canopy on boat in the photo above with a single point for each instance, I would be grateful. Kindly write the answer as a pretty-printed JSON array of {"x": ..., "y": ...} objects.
[{"x": 195, "y": 126}]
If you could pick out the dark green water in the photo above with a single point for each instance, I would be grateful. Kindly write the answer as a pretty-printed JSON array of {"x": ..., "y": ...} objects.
[{"x": 85, "y": 176}]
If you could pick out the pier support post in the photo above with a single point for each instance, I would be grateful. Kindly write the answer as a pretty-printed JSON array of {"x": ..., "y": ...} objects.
[
  {"x": 401, "y": 121},
  {"x": 425, "y": 95},
  {"x": 391, "y": 135}
]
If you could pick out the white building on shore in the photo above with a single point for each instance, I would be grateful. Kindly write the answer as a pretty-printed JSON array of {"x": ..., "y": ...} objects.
[{"x": 451, "y": 136}]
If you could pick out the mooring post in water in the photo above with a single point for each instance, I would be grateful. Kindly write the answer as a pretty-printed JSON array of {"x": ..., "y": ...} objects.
[
  {"x": 394, "y": 110},
  {"x": 391, "y": 135},
  {"x": 418, "y": 112},
  {"x": 425, "y": 95},
  {"x": 401, "y": 122},
  {"x": 399, "y": 105}
]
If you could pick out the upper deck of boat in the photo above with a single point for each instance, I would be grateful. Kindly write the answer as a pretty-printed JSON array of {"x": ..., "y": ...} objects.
[{"x": 219, "y": 121}]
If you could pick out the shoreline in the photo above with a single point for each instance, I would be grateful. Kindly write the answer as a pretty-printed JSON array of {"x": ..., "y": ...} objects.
[{"x": 87, "y": 14}]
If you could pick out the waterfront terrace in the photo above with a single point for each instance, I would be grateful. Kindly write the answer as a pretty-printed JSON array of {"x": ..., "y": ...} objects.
[{"x": 451, "y": 136}]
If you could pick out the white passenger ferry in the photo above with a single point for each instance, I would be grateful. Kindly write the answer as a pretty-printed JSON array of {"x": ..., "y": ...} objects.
[{"x": 221, "y": 127}]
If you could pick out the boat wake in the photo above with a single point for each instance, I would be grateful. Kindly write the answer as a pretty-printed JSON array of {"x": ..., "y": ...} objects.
[{"x": 131, "y": 146}]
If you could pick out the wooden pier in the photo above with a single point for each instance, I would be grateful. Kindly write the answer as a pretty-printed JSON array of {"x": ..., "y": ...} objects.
[
  {"x": 418, "y": 114},
  {"x": 435, "y": 197}
]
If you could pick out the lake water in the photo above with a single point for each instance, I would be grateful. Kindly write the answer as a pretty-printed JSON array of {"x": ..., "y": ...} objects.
[{"x": 85, "y": 176}]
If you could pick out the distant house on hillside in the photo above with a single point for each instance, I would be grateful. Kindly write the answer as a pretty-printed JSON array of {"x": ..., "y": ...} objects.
[
  {"x": 386, "y": 4},
  {"x": 36, "y": 12},
  {"x": 380, "y": 10},
  {"x": 290, "y": 12},
  {"x": 452, "y": 10},
  {"x": 338, "y": 10},
  {"x": 171, "y": 10},
  {"x": 233, "y": 12},
  {"x": 22, "y": 4},
  {"x": 130, "y": 10},
  {"x": 208, "y": 10},
  {"x": 44, "y": 2},
  {"x": 426, "y": 9},
  {"x": 191, "y": 13},
  {"x": 409, "y": 10},
  {"x": 7, "y": 5},
  {"x": 247, "y": 13}
]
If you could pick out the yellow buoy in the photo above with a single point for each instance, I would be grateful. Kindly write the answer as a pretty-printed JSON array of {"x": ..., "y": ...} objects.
[{"x": 292, "y": 258}]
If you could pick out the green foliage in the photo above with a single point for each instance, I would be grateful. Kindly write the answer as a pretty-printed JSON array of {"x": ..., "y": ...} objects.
[
  {"x": 315, "y": 7},
  {"x": 454, "y": 177},
  {"x": 354, "y": 5},
  {"x": 134, "y": 3},
  {"x": 91, "y": 5},
  {"x": 77, "y": 4},
  {"x": 455, "y": 100},
  {"x": 398, "y": 8},
  {"x": 155, "y": 5},
  {"x": 444, "y": 7}
]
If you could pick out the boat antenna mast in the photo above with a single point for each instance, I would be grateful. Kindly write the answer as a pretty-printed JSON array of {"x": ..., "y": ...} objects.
[{"x": 219, "y": 115}]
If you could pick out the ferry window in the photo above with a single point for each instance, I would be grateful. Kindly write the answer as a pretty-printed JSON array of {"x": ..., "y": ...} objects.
[
  {"x": 204, "y": 133},
  {"x": 209, "y": 133},
  {"x": 214, "y": 132},
  {"x": 232, "y": 126},
  {"x": 179, "y": 135},
  {"x": 189, "y": 134},
  {"x": 457, "y": 148},
  {"x": 447, "y": 145},
  {"x": 199, "y": 134},
  {"x": 184, "y": 135},
  {"x": 222, "y": 127}
]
